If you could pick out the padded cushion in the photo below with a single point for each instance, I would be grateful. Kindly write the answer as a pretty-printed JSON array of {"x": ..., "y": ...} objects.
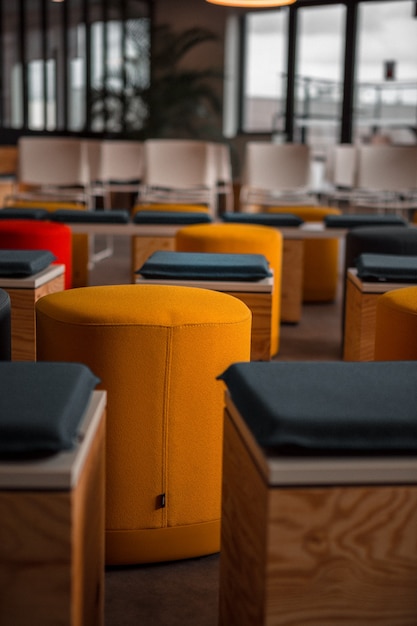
[
  {"x": 73, "y": 215},
  {"x": 352, "y": 221},
  {"x": 205, "y": 265},
  {"x": 168, "y": 207},
  {"x": 328, "y": 408},
  {"x": 171, "y": 217},
  {"x": 42, "y": 405},
  {"x": 24, "y": 214},
  {"x": 387, "y": 267},
  {"x": 21, "y": 263},
  {"x": 267, "y": 219}
]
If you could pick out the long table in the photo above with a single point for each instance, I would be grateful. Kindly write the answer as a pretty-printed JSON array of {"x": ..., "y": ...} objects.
[{"x": 147, "y": 238}]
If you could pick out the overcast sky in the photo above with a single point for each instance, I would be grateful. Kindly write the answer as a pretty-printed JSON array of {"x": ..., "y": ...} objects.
[{"x": 388, "y": 31}]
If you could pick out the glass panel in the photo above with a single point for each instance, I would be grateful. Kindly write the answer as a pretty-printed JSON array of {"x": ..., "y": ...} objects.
[
  {"x": 386, "y": 73},
  {"x": 265, "y": 71},
  {"x": 77, "y": 67},
  {"x": 12, "y": 92},
  {"x": 35, "y": 66},
  {"x": 319, "y": 75},
  {"x": 55, "y": 67}
]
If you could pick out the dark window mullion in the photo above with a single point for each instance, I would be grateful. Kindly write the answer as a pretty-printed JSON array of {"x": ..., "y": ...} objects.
[
  {"x": 65, "y": 68},
  {"x": 22, "y": 60},
  {"x": 88, "y": 104},
  {"x": 44, "y": 33},
  {"x": 291, "y": 64},
  {"x": 349, "y": 72}
]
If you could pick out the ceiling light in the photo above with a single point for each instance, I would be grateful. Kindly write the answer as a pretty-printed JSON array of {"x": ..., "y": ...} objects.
[{"x": 252, "y": 4}]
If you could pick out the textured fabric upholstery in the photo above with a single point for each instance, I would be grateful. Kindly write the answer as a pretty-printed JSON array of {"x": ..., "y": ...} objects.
[
  {"x": 241, "y": 239},
  {"x": 174, "y": 207},
  {"x": 79, "y": 241},
  {"x": 19, "y": 263},
  {"x": 157, "y": 350},
  {"x": 320, "y": 266},
  {"x": 5, "y": 327},
  {"x": 327, "y": 408},
  {"x": 387, "y": 267},
  {"x": 267, "y": 219},
  {"x": 396, "y": 325},
  {"x": 171, "y": 217},
  {"x": 39, "y": 235}
]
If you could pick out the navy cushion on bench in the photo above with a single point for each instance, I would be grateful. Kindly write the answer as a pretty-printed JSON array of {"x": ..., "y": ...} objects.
[
  {"x": 42, "y": 405},
  {"x": 325, "y": 408},
  {"x": 21, "y": 263},
  {"x": 266, "y": 219},
  {"x": 115, "y": 216},
  {"x": 387, "y": 267},
  {"x": 205, "y": 265},
  {"x": 171, "y": 217},
  {"x": 353, "y": 221},
  {"x": 24, "y": 214}
]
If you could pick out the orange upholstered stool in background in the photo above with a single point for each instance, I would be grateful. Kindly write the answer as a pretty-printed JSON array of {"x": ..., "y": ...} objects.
[
  {"x": 157, "y": 350},
  {"x": 39, "y": 235},
  {"x": 396, "y": 325},
  {"x": 241, "y": 239},
  {"x": 321, "y": 256}
]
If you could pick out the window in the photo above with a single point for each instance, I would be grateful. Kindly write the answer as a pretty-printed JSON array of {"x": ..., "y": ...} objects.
[
  {"x": 55, "y": 56},
  {"x": 386, "y": 72},
  {"x": 265, "y": 69}
]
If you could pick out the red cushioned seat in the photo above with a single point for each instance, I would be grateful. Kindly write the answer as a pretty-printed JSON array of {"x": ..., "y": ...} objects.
[{"x": 42, "y": 235}]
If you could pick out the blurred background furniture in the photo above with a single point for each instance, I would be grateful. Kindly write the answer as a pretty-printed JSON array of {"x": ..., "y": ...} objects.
[
  {"x": 275, "y": 174},
  {"x": 240, "y": 239}
]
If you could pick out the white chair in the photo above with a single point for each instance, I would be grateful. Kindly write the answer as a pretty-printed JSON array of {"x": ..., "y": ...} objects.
[
  {"x": 224, "y": 174},
  {"x": 343, "y": 172},
  {"x": 119, "y": 167},
  {"x": 386, "y": 177},
  {"x": 276, "y": 174},
  {"x": 52, "y": 168},
  {"x": 180, "y": 171}
]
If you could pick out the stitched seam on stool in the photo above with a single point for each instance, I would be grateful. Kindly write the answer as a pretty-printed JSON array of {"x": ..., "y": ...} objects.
[{"x": 165, "y": 421}]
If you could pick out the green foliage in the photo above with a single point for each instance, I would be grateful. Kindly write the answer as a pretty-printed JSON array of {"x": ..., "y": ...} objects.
[{"x": 171, "y": 100}]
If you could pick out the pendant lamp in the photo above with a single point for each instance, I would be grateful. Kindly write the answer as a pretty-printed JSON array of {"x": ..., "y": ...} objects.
[{"x": 252, "y": 4}]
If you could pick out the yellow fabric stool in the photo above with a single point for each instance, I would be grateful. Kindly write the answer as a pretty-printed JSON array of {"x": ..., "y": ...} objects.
[
  {"x": 321, "y": 256},
  {"x": 396, "y": 325},
  {"x": 241, "y": 239},
  {"x": 157, "y": 350},
  {"x": 174, "y": 207}
]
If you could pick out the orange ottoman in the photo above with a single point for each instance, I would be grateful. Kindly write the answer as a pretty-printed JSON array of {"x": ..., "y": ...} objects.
[
  {"x": 321, "y": 257},
  {"x": 241, "y": 239},
  {"x": 396, "y": 325},
  {"x": 157, "y": 350}
]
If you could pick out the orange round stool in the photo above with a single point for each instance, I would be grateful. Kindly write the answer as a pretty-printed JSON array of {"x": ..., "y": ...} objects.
[
  {"x": 241, "y": 239},
  {"x": 396, "y": 325},
  {"x": 39, "y": 235},
  {"x": 321, "y": 256},
  {"x": 157, "y": 350}
]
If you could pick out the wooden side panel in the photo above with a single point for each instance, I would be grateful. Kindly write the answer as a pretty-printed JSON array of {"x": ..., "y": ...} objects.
[
  {"x": 23, "y": 317},
  {"x": 342, "y": 555},
  {"x": 292, "y": 280},
  {"x": 360, "y": 315},
  {"x": 316, "y": 556},
  {"x": 51, "y": 552},
  {"x": 260, "y": 305},
  {"x": 243, "y": 536},
  {"x": 143, "y": 247}
]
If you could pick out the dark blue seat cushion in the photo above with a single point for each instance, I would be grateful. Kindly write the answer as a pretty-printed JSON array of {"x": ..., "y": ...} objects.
[
  {"x": 266, "y": 219},
  {"x": 387, "y": 267},
  {"x": 205, "y": 265},
  {"x": 171, "y": 217},
  {"x": 42, "y": 405},
  {"x": 24, "y": 214},
  {"x": 114, "y": 216},
  {"x": 352, "y": 221},
  {"x": 323, "y": 408},
  {"x": 21, "y": 263}
]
